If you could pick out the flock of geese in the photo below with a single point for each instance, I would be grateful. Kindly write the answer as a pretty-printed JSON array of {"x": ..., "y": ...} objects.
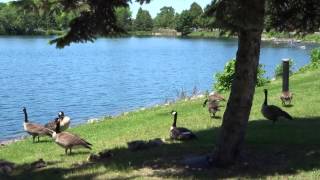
[
  {"x": 54, "y": 129},
  {"x": 271, "y": 112},
  {"x": 68, "y": 140}
]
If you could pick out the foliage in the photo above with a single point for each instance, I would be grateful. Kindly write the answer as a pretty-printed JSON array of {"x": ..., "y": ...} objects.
[
  {"x": 315, "y": 56},
  {"x": 124, "y": 20},
  {"x": 28, "y": 17},
  {"x": 224, "y": 79},
  {"x": 314, "y": 61},
  {"x": 46, "y": 16},
  {"x": 281, "y": 15},
  {"x": 196, "y": 15},
  {"x": 143, "y": 21},
  {"x": 279, "y": 69},
  {"x": 184, "y": 23},
  {"x": 166, "y": 18},
  {"x": 206, "y": 22},
  {"x": 63, "y": 20},
  {"x": 294, "y": 15},
  {"x": 261, "y": 80}
]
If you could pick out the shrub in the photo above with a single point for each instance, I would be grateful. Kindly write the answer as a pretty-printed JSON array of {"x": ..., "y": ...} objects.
[
  {"x": 224, "y": 79},
  {"x": 279, "y": 69},
  {"x": 314, "y": 61},
  {"x": 261, "y": 79},
  {"x": 315, "y": 56}
]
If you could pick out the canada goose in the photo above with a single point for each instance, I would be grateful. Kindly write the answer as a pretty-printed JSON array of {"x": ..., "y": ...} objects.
[
  {"x": 33, "y": 129},
  {"x": 64, "y": 122},
  {"x": 213, "y": 107},
  {"x": 214, "y": 96},
  {"x": 52, "y": 125},
  {"x": 180, "y": 133},
  {"x": 68, "y": 140},
  {"x": 286, "y": 98},
  {"x": 272, "y": 112}
]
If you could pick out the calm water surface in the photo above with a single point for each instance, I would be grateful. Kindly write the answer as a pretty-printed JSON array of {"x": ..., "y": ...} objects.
[{"x": 110, "y": 76}]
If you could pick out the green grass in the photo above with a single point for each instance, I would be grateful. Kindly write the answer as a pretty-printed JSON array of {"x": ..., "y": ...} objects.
[{"x": 288, "y": 149}]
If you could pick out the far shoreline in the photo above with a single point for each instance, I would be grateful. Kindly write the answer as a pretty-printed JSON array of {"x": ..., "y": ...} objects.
[{"x": 266, "y": 37}]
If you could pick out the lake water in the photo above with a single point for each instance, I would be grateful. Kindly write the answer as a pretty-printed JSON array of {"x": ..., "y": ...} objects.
[{"x": 110, "y": 76}]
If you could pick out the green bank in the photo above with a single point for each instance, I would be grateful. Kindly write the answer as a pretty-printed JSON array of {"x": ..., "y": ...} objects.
[{"x": 284, "y": 150}]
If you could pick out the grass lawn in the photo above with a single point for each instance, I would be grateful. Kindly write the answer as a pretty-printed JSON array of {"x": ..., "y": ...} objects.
[{"x": 288, "y": 149}]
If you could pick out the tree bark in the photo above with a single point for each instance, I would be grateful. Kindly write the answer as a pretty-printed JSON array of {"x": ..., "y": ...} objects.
[{"x": 236, "y": 116}]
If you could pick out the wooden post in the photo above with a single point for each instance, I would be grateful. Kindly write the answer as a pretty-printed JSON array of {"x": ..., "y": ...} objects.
[
  {"x": 285, "y": 75},
  {"x": 286, "y": 95}
]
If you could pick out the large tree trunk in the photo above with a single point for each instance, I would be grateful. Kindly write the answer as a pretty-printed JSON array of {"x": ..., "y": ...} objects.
[{"x": 236, "y": 116}]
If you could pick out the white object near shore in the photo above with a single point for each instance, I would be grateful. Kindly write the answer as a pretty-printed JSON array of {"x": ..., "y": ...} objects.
[{"x": 93, "y": 120}]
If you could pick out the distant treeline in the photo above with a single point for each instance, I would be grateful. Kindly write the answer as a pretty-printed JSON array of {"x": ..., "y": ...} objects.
[
  {"x": 45, "y": 17},
  {"x": 33, "y": 17},
  {"x": 184, "y": 22}
]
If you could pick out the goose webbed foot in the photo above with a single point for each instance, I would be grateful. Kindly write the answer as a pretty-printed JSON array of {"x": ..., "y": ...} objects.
[{"x": 212, "y": 115}]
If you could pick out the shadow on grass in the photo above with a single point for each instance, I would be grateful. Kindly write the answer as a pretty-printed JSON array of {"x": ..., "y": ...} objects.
[
  {"x": 41, "y": 141},
  {"x": 286, "y": 148},
  {"x": 216, "y": 117},
  {"x": 287, "y": 105},
  {"x": 75, "y": 153}
]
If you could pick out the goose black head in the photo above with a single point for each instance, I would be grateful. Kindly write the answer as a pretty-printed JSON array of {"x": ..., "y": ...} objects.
[
  {"x": 61, "y": 114},
  {"x": 174, "y": 112},
  {"x": 24, "y": 109},
  {"x": 265, "y": 90}
]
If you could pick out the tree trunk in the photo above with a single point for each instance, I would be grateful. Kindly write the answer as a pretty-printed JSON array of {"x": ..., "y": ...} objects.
[{"x": 236, "y": 116}]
